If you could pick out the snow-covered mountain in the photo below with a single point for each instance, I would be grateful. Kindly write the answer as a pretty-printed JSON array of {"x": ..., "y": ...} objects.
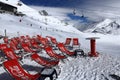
[
  {"x": 40, "y": 19},
  {"x": 107, "y": 26}
]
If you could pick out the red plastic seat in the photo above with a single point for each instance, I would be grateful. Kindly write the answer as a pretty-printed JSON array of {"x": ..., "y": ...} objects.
[
  {"x": 10, "y": 54},
  {"x": 64, "y": 49},
  {"x": 42, "y": 61},
  {"x": 53, "y": 54},
  {"x": 17, "y": 72}
]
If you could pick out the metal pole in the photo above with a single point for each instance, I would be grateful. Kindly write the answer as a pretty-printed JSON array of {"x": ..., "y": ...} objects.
[
  {"x": 5, "y": 33},
  {"x": 93, "y": 52},
  {"x": 93, "y": 47}
]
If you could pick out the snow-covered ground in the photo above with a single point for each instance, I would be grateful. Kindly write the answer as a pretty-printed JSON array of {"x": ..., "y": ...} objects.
[{"x": 80, "y": 68}]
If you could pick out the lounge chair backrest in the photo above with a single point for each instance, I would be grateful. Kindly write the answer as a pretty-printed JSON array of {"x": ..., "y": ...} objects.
[
  {"x": 49, "y": 51},
  {"x": 26, "y": 47},
  {"x": 61, "y": 47},
  {"x": 53, "y": 40},
  {"x": 3, "y": 46},
  {"x": 17, "y": 72},
  {"x": 43, "y": 61},
  {"x": 64, "y": 49},
  {"x": 10, "y": 53},
  {"x": 75, "y": 41},
  {"x": 53, "y": 54},
  {"x": 5, "y": 40},
  {"x": 14, "y": 41},
  {"x": 34, "y": 44},
  {"x": 28, "y": 37},
  {"x": 68, "y": 41},
  {"x": 13, "y": 46}
]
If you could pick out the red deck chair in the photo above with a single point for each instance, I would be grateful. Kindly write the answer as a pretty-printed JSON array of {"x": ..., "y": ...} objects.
[
  {"x": 10, "y": 54},
  {"x": 38, "y": 36},
  {"x": 53, "y": 54},
  {"x": 68, "y": 41},
  {"x": 35, "y": 45},
  {"x": 44, "y": 42},
  {"x": 17, "y": 72},
  {"x": 64, "y": 49},
  {"x": 5, "y": 40},
  {"x": 43, "y": 61},
  {"x": 13, "y": 46},
  {"x": 22, "y": 38},
  {"x": 76, "y": 43},
  {"x": 27, "y": 48},
  {"x": 28, "y": 37},
  {"x": 14, "y": 41},
  {"x": 3, "y": 46},
  {"x": 53, "y": 40},
  {"x": 17, "y": 39}
]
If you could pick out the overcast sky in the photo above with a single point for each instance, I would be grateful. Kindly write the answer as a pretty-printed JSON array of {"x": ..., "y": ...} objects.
[
  {"x": 74, "y": 3},
  {"x": 99, "y": 6}
]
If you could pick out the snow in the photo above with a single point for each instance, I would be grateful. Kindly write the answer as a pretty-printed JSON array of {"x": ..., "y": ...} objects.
[
  {"x": 80, "y": 68},
  {"x": 90, "y": 68}
]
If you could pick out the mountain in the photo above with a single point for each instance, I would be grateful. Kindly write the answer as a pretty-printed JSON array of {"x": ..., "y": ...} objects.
[
  {"x": 107, "y": 26},
  {"x": 38, "y": 16}
]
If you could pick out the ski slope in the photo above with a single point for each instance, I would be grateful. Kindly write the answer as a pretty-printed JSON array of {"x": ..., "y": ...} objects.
[{"x": 80, "y": 68}]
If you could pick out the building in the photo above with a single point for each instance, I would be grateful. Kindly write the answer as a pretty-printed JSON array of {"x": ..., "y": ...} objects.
[{"x": 6, "y": 8}]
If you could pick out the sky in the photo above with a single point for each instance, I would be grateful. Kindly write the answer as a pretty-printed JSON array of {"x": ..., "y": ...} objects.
[
  {"x": 73, "y": 3},
  {"x": 107, "y": 6}
]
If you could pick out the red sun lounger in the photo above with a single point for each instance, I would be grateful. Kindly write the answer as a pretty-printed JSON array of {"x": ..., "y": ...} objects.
[
  {"x": 3, "y": 46},
  {"x": 44, "y": 62},
  {"x": 64, "y": 49},
  {"x": 68, "y": 41},
  {"x": 13, "y": 46},
  {"x": 5, "y": 39},
  {"x": 76, "y": 43},
  {"x": 36, "y": 46},
  {"x": 17, "y": 72},
  {"x": 10, "y": 54},
  {"x": 53, "y": 54},
  {"x": 27, "y": 48},
  {"x": 53, "y": 40}
]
